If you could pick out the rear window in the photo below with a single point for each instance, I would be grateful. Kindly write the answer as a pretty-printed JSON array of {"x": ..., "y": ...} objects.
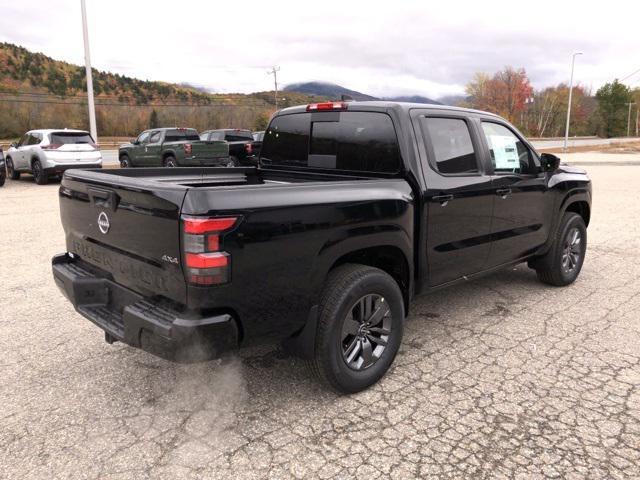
[
  {"x": 63, "y": 138},
  {"x": 353, "y": 141},
  {"x": 238, "y": 137},
  {"x": 180, "y": 135}
]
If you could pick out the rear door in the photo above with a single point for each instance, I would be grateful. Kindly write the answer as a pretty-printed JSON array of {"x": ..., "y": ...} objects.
[
  {"x": 523, "y": 202},
  {"x": 459, "y": 195},
  {"x": 128, "y": 231},
  {"x": 72, "y": 146}
]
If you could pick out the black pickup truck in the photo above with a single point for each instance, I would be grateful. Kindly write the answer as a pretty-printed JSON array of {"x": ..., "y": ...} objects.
[
  {"x": 240, "y": 145},
  {"x": 354, "y": 210}
]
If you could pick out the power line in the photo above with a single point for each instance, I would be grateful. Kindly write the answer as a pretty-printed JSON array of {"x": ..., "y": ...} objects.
[
  {"x": 133, "y": 105},
  {"x": 631, "y": 75}
]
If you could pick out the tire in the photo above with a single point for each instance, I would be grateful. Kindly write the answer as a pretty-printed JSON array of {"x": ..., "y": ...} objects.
[
  {"x": 232, "y": 162},
  {"x": 3, "y": 177},
  {"x": 39, "y": 175},
  {"x": 344, "y": 341},
  {"x": 169, "y": 162},
  {"x": 13, "y": 175},
  {"x": 561, "y": 265},
  {"x": 125, "y": 162}
]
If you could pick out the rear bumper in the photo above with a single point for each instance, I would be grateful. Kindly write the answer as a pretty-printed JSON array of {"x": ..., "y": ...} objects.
[
  {"x": 145, "y": 323},
  {"x": 53, "y": 168}
]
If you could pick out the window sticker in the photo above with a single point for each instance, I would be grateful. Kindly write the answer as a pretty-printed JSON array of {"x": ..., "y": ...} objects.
[{"x": 505, "y": 152}]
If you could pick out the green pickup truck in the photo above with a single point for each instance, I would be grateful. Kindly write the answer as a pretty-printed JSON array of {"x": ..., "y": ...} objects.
[{"x": 173, "y": 147}]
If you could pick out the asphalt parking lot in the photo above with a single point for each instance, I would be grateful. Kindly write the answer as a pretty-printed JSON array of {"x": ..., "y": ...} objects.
[{"x": 501, "y": 377}]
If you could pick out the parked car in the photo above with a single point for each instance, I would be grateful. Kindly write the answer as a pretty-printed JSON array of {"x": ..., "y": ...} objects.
[
  {"x": 47, "y": 153},
  {"x": 357, "y": 208},
  {"x": 240, "y": 144},
  {"x": 173, "y": 147},
  {"x": 3, "y": 169},
  {"x": 256, "y": 145}
]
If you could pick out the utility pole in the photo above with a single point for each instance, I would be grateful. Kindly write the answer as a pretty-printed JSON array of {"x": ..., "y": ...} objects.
[
  {"x": 87, "y": 62},
  {"x": 274, "y": 71},
  {"x": 566, "y": 130},
  {"x": 629, "y": 120}
]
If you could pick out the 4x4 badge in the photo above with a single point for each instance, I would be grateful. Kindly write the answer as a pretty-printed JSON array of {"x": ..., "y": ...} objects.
[{"x": 103, "y": 222}]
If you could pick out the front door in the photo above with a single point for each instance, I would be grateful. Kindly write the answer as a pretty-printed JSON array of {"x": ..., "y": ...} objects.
[
  {"x": 19, "y": 155},
  {"x": 153, "y": 150},
  {"x": 139, "y": 150},
  {"x": 523, "y": 202},
  {"x": 459, "y": 196}
]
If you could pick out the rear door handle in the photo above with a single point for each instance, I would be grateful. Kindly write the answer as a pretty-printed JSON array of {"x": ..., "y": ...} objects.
[
  {"x": 503, "y": 192},
  {"x": 443, "y": 199}
]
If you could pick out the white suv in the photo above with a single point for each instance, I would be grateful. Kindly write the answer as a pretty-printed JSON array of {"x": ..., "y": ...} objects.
[{"x": 45, "y": 153}]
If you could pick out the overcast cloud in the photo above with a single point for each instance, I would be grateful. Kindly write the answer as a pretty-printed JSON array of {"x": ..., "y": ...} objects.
[{"x": 380, "y": 48}]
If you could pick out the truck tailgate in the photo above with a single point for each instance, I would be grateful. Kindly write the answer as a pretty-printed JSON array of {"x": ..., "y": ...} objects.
[
  {"x": 210, "y": 149},
  {"x": 130, "y": 233}
]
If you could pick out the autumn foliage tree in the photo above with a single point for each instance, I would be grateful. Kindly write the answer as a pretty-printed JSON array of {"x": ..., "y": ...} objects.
[{"x": 505, "y": 93}]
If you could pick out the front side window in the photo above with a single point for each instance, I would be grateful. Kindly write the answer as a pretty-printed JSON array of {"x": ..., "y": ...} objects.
[
  {"x": 452, "y": 146},
  {"x": 143, "y": 138},
  {"x": 35, "y": 139},
  {"x": 508, "y": 153}
]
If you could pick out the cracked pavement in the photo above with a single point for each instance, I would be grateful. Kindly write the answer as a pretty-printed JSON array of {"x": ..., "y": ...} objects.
[{"x": 502, "y": 377}]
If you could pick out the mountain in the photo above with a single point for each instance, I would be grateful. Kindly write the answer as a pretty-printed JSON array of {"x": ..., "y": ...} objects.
[
  {"x": 413, "y": 99},
  {"x": 453, "y": 100},
  {"x": 334, "y": 92},
  {"x": 330, "y": 90}
]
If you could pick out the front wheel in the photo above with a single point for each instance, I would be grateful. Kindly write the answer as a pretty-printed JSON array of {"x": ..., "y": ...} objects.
[
  {"x": 3, "y": 177},
  {"x": 125, "y": 162},
  {"x": 561, "y": 265},
  {"x": 39, "y": 174},
  {"x": 11, "y": 171},
  {"x": 360, "y": 324}
]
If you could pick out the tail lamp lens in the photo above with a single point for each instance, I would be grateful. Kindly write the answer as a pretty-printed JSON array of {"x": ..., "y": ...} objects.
[
  {"x": 187, "y": 148},
  {"x": 205, "y": 264},
  {"x": 249, "y": 148}
]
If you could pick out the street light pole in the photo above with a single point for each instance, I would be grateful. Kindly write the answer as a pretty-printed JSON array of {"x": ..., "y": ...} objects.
[
  {"x": 566, "y": 130},
  {"x": 274, "y": 71},
  {"x": 87, "y": 62}
]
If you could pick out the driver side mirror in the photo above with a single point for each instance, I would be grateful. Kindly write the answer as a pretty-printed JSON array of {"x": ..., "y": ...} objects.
[
  {"x": 133, "y": 141},
  {"x": 550, "y": 162},
  {"x": 14, "y": 145}
]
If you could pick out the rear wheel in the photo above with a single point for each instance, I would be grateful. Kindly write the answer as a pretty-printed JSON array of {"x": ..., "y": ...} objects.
[
  {"x": 360, "y": 325},
  {"x": 39, "y": 175},
  {"x": 169, "y": 162},
  {"x": 125, "y": 162},
  {"x": 3, "y": 176},
  {"x": 11, "y": 172},
  {"x": 231, "y": 162},
  {"x": 562, "y": 263}
]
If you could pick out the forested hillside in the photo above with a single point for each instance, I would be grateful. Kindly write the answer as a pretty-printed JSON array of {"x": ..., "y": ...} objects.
[{"x": 37, "y": 91}]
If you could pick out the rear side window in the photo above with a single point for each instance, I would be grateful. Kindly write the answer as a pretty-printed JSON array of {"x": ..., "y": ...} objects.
[
  {"x": 63, "y": 138},
  {"x": 180, "y": 135},
  {"x": 451, "y": 143},
  {"x": 358, "y": 141},
  {"x": 155, "y": 137},
  {"x": 216, "y": 136}
]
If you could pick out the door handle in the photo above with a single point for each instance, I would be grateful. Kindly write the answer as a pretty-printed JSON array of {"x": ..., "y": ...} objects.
[
  {"x": 503, "y": 192},
  {"x": 443, "y": 199}
]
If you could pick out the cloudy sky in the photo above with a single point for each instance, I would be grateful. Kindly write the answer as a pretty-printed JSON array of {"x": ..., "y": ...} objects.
[{"x": 380, "y": 48}]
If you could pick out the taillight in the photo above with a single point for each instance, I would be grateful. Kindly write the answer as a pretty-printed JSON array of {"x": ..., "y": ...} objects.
[
  {"x": 319, "y": 107},
  {"x": 51, "y": 146},
  {"x": 249, "y": 148},
  {"x": 187, "y": 148},
  {"x": 205, "y": 264}
]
